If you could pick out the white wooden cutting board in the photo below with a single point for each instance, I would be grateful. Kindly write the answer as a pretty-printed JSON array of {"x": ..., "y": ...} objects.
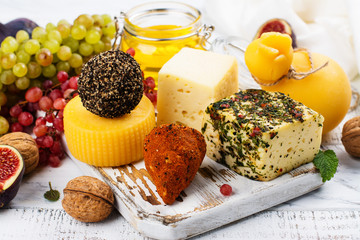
[{"x": 201, "y": 207}]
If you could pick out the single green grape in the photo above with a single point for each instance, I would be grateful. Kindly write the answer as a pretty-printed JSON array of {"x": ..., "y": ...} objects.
[
  {"x": 4, "y": 124},
  {"x": 39, "y": 34},
  {"x": 55, "y": 35},
  {"x": 76, "y": 60},
  {"x": 107, "y": 42},
  {"x": 99, "y": 47},
  {"x": 63, "y": 66},
  {"x": 98, "y": 20},
  {"x": 32, "y": 46},
  {"x": 72, "y": 43},
  {"x": 108, "y": 46},
  {"x": 22, "y": 36},
  {"x": 92, "y": 36},
  {"x": 110, "y": 29},
  {"x": 20, "y": 69},
  {"x": 22, "y": 57},
  {"x": 52, "y": 45},
  {"x": 78, "y": 32},
  {"x": 86, "y": 49},
  {"x": 107, "y": 19},
  {"x": 97, "y": 28},
  {"x": 9, "y": 45},
  {"x": 64, "y": 53},
  {"x": 22, "y": 83},
  {"x": 8, "y": 60},
  {"x": 49, "y": 27},
  {"x": 44, "y": 57},
  {"x": 64, "y": 30},
  {"x": 106, "y": 39},
  {"x": 7, "y": 77},
  {"x": 64, "y": 21},
  {"x": 34, "y": 70},
  {"x": 35, "y": 83},
  {"x": 56, "y": 59},
  {"x": 49, "y": 71},
  {"x": 0, "y": 68},
  {"x": 22, "y": 45},
  {"x": 85, "y": 20}
]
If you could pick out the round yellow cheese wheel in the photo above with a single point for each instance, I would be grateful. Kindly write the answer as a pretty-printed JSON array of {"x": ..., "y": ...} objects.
[{"x": 107, "y": 142}]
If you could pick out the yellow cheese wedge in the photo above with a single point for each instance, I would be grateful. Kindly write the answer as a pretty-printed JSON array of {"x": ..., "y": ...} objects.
[{"x": 107, "y": 142}]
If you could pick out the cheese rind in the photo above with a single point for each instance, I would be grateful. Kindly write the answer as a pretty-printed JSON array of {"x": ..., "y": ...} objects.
[
  {"x": 190, "y": 81},
  {"x": 260, "y": 134}
]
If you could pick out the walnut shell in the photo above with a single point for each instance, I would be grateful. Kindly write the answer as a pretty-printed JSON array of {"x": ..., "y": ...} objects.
[
  {"x": 27, "y": 147},
  {"x": 88, "y": 199},
  {"x": 351, "y": 136}
]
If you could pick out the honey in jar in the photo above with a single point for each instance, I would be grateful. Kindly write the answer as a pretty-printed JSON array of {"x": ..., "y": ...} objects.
[{"x": 157, "y": 31}]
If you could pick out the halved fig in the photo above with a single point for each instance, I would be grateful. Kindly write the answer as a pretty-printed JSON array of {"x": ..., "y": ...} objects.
[
  {"x": 11, "y": 173},
  {"x": 27, "y": 147},
  {"x": 277, "y": 25}
]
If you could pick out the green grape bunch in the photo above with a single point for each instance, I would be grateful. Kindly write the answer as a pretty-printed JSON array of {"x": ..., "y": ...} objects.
[{"x": 26, "y": 61}]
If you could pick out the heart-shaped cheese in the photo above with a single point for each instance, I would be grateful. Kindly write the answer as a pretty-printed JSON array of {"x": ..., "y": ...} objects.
[{"x": 173, "y": 154}]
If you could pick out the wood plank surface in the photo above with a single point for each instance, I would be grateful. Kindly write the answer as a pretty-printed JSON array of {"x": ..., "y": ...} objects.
[
  {"x": 46, "y": 224},
  {"x": 331, "y": 212}
]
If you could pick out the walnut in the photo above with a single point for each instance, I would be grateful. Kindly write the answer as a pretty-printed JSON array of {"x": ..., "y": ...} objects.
[
  {"x": 27, "y": 147},
  {"x": 88, "y": 199},
  {"x": 351, "y": 136}
]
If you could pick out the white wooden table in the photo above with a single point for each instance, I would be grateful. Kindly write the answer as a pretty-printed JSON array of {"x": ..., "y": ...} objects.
[{"x": 331, "y": 212}]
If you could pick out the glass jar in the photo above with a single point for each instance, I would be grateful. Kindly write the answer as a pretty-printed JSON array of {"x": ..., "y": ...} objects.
[{"x": 158, "y": 30}]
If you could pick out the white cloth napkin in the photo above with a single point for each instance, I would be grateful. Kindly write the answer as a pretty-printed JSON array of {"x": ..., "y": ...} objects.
[{"x": 321, "y": 26}]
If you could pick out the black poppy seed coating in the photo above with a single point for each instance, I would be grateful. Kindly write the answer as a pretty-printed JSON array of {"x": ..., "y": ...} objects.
[{"x": 110, "y": 84}]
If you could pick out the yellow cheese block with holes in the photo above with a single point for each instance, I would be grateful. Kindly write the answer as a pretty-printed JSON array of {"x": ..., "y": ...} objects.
[
  {"x": 190, "y": 81},
  {"x": 107, "y": 142}
]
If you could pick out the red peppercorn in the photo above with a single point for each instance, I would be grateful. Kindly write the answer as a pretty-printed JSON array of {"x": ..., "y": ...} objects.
[
  {"x": 256, "y": 131},
  {"x": 226, "y": 190},
  {"x": 215, "y": 116},
  {"x": 131, "y": 51},
  {"x": 224, "y": 105}
]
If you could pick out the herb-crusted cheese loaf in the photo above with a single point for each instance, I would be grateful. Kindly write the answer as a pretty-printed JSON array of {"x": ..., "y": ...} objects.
[{"x": 261, "y": 134}]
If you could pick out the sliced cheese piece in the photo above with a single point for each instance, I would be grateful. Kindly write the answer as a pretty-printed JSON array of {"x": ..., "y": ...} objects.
[
  {"x": 260, "y": 134},
  {"x": 104, "y": 141},
  {"x": 190, "y": 81}
]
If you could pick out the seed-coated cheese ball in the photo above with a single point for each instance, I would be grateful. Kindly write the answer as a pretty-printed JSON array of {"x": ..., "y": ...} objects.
[{"x": 110, "y": 84}]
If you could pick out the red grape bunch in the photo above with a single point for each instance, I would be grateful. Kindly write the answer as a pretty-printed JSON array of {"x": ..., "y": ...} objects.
[
  {"x": 27, "y": 60},
  {"x": 50, "y": 104}
]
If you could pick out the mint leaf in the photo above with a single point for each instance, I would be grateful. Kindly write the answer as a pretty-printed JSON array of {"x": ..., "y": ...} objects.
[
  {"x": 326, "y": 162},
  {"x": 52, "y": 195}
]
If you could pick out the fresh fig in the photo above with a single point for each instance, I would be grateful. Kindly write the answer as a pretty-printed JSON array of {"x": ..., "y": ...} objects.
[
  {"x": 12, "y": 27},
  {"x": 277, "y": 25},
  {"x": 4, "y": 32},
  {"x": 11, "y": 173},
  {"x": 27, "y": 147}
]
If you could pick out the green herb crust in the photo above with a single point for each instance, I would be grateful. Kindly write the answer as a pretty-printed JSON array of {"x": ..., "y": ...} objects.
[{"x": 260, "y": 134}]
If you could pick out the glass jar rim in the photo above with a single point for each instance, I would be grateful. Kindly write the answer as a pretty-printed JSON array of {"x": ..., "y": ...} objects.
[{"x": 162, "y": 8}]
